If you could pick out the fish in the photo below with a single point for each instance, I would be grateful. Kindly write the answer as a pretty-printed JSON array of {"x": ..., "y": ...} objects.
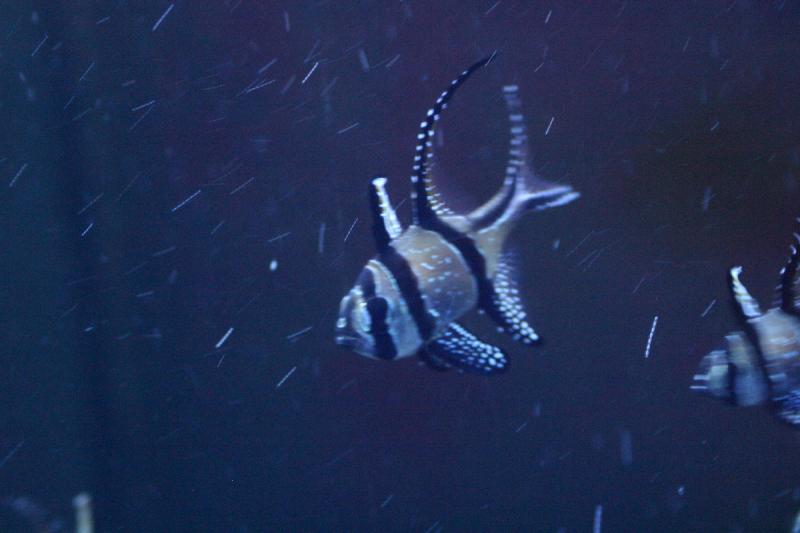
[
  {"x": 761, "y": 365},
  {"x": 408, "y": 298}
]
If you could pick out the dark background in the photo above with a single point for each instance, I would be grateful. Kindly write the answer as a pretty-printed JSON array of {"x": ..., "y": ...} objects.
[{"x": 111, "y": 382}]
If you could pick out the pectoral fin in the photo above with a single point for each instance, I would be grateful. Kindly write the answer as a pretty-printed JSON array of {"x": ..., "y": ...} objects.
[{"x": 463, "y": 350}]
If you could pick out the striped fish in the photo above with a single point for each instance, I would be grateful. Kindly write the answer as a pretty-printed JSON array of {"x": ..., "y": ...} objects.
[
  {"x": 408, "y": 298},
  {"x": 762, "y": 363}
]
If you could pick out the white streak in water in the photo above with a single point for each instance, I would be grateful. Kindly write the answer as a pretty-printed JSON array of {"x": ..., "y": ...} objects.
[
  {"x": 347, "y": 128},
  {"x": 387, "y": 500},
  {"x": 296, "y": 334},
  {"x": 142, "y": 106},
  {"x": 321, "y": 239},
  {"x": 598, "y": 519},
  {"x": 90, "y": 204},
  {"x": 160, "y": 20},
  {"x": 10, "y": 454},
  {"x": 650, "y": 338},
  {"x": 550, "y": 125},
  {"x": 213, "y": 231},
  {"x": 353, "y": 225},
  {"x": 39, "y": 45},
  {"x": 626, "y": 447},
  {"x": 362, "y": 58},
  {"x": 18, "y": 174},
  {"x": 278, "y": 386},
  {"x": 88, "y": 70},
  {"x": 310, "y": 72},
  {"x": 279, "y": 237},
  {"x": 224, "y": 338},
  {"x": 709, "y": 308},
  {"x": 242, "y": 186},
  {"x": 189, "y": 199}
]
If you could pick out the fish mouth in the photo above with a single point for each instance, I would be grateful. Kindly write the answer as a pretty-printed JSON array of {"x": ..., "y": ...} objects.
[
  {"x": 699, "y": 383},
  {"x": 346, "y": 341}
]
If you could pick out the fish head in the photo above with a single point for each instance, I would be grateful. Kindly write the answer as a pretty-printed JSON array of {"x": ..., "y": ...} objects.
[
  {"x": 734, "y": 374},
  {"x": 364, "y": 318},
  {"x": 713, "y": 375},
  {"x": 354, "y": 323}
]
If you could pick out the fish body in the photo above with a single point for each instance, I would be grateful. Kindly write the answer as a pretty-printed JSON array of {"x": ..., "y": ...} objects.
[
  {"x": 761, "y": 365},
  {"x": 408, "y": 297}
]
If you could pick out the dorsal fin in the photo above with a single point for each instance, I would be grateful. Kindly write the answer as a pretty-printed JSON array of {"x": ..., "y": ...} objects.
[
  {"x": 789, "y": 298},
  {"x": 746, "y": 304},
  {"x": 385, "y": 225},
  {"x": 426, "y": 204}
]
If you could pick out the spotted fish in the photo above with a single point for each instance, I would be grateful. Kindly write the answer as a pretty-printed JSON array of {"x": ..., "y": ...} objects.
[
  {"x": 762, "y": 363},
  {"x": 408, "y": 298}
]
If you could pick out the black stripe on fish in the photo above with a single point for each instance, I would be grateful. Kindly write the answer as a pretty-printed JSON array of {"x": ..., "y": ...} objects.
[
  {"x": 499, "y": 302},
  {"x": 406, "y": 281},
  {"x": 378, "y": 309},
  {"x": 379, "y": 329},
  {"x": 477, "y": 266},
  {"x": 731, "y": 375}
]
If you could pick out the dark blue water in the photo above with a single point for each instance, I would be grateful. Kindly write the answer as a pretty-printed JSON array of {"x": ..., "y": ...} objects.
[{"x": 166, "y": 170}]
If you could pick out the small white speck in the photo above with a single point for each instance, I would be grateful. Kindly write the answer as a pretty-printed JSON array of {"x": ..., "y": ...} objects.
[{"x": 273, "y": 265}]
